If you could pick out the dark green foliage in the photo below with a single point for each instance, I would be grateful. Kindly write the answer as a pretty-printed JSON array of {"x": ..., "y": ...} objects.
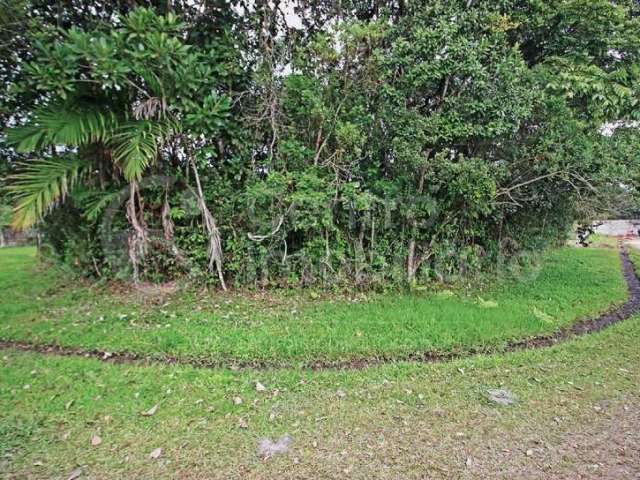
[{"x": 374, "y": 145}]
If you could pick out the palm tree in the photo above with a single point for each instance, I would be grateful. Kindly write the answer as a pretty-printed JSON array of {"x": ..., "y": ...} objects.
[
  {"x": 84, "y": 140},
  {"x": 92, "y": 140}
]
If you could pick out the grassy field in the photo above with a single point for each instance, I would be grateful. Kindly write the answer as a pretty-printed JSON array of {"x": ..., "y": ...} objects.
[
  {"x": 576, "y": 417},
  {"x": 284, "y": 329}
]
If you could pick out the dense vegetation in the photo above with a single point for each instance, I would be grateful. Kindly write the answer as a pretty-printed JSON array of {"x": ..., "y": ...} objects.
[{"x": 316, "y": 142}]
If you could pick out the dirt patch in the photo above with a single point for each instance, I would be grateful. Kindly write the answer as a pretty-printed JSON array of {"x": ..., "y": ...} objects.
[
  {"x": 582, "y": 327},
  {"x": 156, "y": 289},
  {"x": 603, "y": 447},
  {"x": 635, "y": 243}
]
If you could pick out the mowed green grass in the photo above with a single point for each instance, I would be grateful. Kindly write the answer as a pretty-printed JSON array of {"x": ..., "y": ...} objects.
[
  {"x": 402, "y": 420},
  {"x": 45, "y": 305}
]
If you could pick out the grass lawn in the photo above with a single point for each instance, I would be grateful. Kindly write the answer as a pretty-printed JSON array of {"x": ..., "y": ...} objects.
[
  {"x": 576, "y": 417},
  {"x": 44, "y": 305}
]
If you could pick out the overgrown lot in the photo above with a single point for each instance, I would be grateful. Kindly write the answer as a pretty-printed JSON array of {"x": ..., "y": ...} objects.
[
  {"x": 45, "y": 306},
  {"x": 319, "y": 143}
]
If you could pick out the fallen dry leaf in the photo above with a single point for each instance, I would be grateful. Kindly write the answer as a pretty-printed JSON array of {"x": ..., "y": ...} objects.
[
  {"x": 96, "y": 440},
  {"x": 155, "y": 453},
  {"x": 75, "y": 474},
  {"x": 502, "y": 397},
  {"x": 237, "y": 400},
  {"x": 151, "y": 411},
  {"x": 260, "y": 387}
]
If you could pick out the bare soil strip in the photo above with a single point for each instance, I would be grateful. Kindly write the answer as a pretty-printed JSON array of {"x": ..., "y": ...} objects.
[{"x": 581, "y": 327}]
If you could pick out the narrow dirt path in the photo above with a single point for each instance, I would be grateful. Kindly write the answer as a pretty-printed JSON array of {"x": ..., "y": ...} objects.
[{"x": 581, "y": 327}]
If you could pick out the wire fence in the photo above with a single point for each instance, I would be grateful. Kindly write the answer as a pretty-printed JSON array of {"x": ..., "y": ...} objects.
[{"x": 12, "y": 238}]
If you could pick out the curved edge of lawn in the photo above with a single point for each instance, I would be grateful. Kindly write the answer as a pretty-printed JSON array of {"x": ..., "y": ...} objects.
[{"x": 199, "y": 358}]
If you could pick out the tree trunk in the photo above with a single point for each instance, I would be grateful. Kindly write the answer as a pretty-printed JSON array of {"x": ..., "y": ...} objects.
[
  {"x": 215, "y": 243},
  {"x": 138, "y": 237},
  {"x": 167, "y": 227},
  {"x": 412, "y": 260}
]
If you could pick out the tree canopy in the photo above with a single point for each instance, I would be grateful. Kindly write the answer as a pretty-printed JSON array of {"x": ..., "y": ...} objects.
[{"x": 316, "y": 142}]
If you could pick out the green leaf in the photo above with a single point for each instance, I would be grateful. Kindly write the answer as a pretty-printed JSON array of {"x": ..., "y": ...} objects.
[
  {"x": 136, "y": 145},
  {"x": 62, "y": 124},
  {"x": 39, "y": 186}
]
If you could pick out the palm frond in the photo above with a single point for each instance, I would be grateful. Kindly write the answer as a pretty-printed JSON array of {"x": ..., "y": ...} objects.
[
  {"x": 137, "y": 144},
  {"x": 93, "y": 202},
  {"x": 26, "y": 138},
  {"x": 39, "y": 186},
  {"x": 63, "y": 125}
]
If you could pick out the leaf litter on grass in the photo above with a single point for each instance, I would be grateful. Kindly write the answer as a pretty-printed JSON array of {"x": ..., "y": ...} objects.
[
  {"x": 501, "y": 397},
  {"x": 268, "y": 448}
]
